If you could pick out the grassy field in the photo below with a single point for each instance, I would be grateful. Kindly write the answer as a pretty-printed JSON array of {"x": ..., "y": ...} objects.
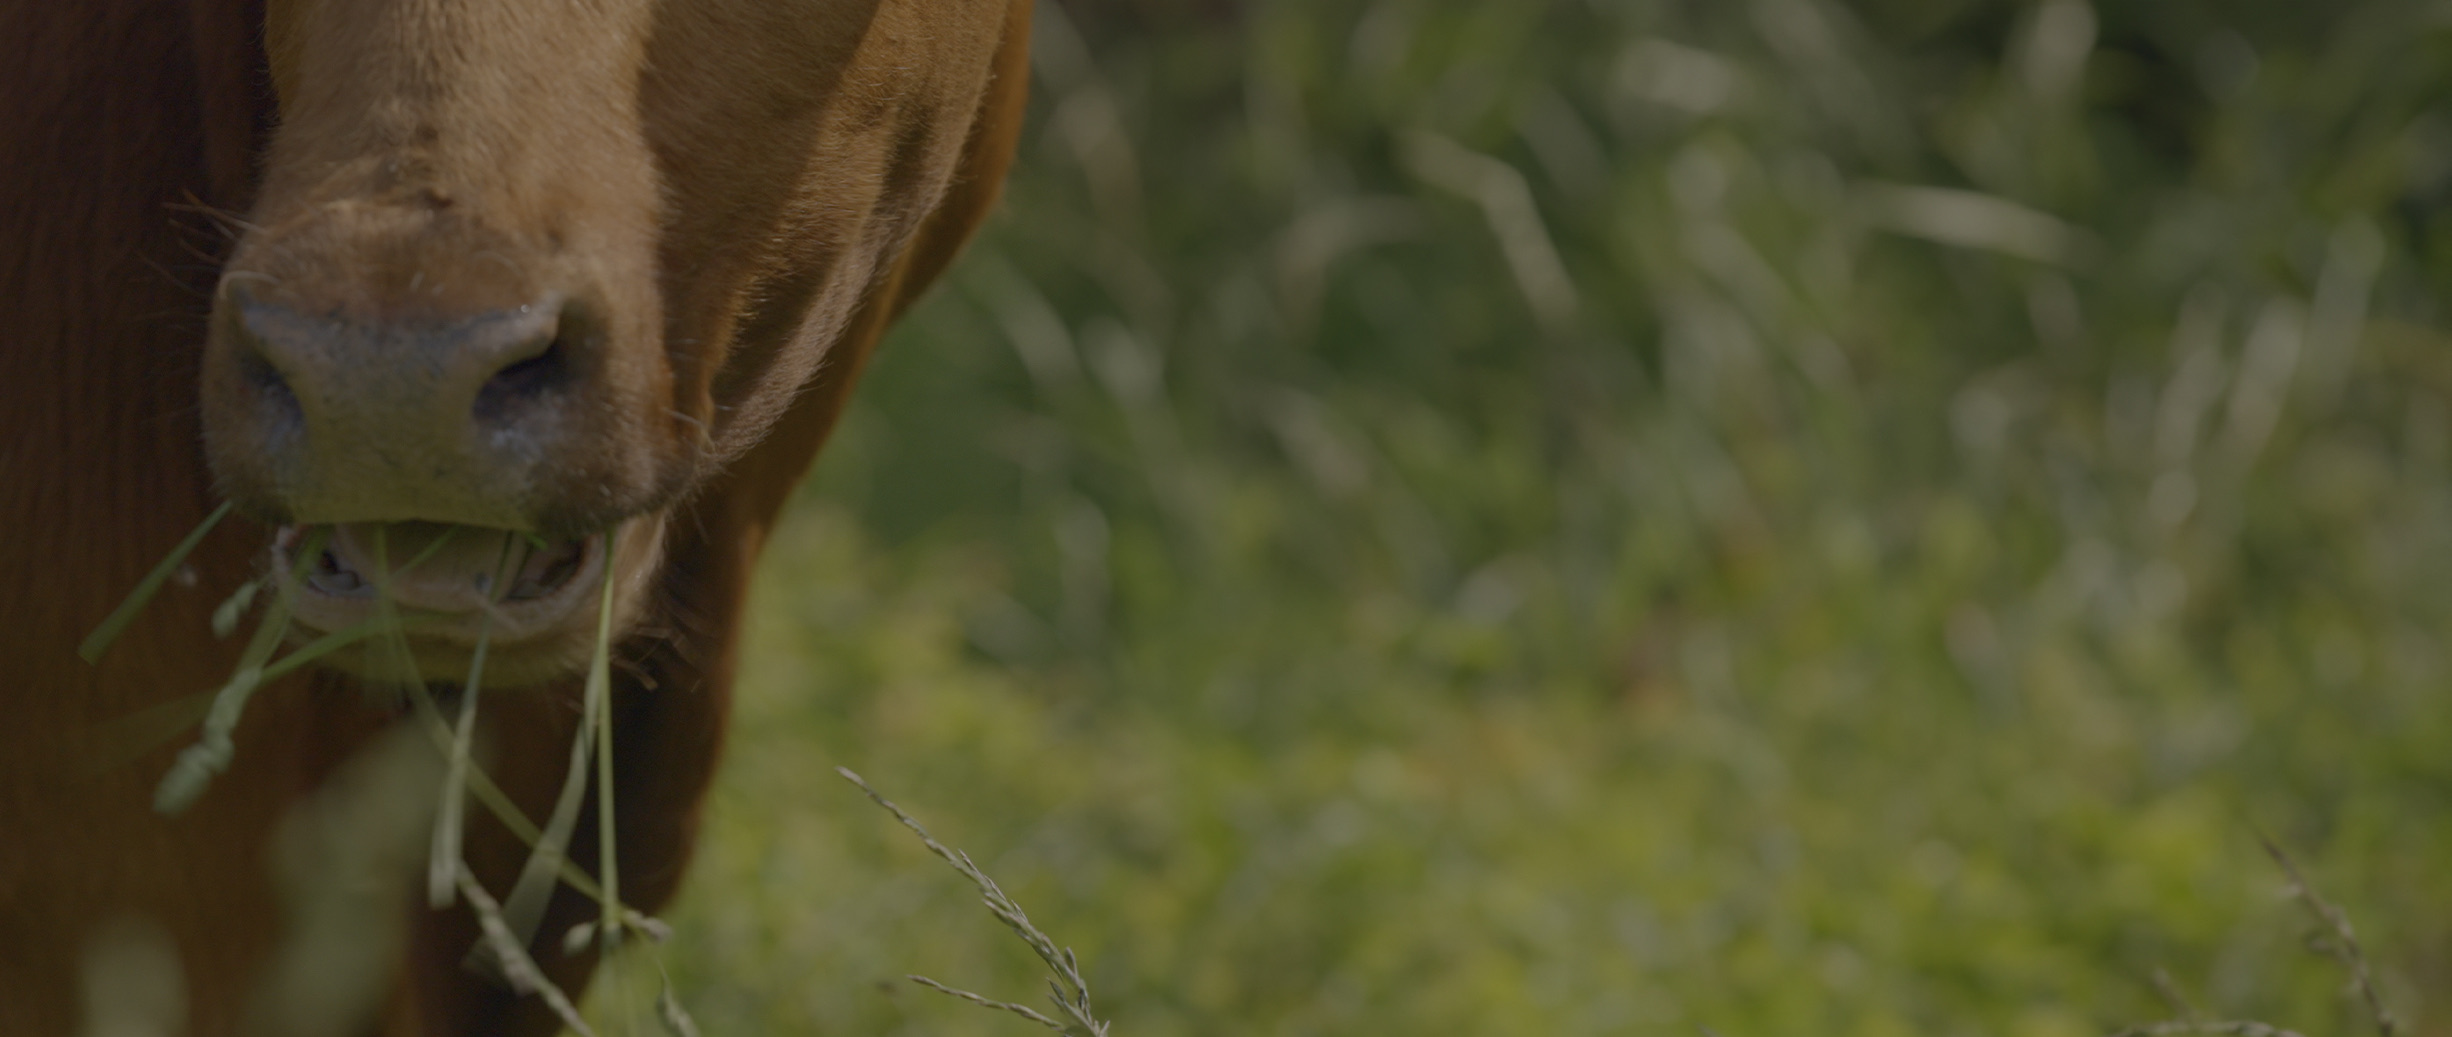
[{"x": 1631, "y": 516}]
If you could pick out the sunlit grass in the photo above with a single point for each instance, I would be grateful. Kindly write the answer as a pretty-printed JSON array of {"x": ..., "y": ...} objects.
[
  {"x": 1983, "y": 465},
  {"x": 442, "y": 872}
]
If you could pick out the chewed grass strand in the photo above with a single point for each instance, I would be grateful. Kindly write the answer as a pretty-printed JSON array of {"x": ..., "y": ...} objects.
[
  {"x": 511, "y": 953},
  {"x": 234, "y": 608},
  {"x": 356, "y": 633},
  {"x": 506, "y": 927},
  {"x": 525, "y": 907},
  {"x": 196, "y": 765},
  {"x": 92, "y": 647},
  {"x": 394, "y": 660},
  {"x": 213, "y": 750},
  {"x": 499, "y": 806},
  {"x": 600, "y": 692},
  {"x": 444, "y": 853},
  {"x": 122, "y": 741}
]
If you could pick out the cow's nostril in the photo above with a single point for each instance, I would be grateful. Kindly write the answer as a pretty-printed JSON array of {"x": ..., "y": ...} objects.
[
  {"x": 523, "y": 382},
  {"x": 260, "y": 373},
  {"x": 532, "y": 375},
  {"x": 279, "y": 401}
]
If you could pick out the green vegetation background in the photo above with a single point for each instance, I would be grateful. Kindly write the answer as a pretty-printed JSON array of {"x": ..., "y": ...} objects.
[{"x": 1632, "y": 516}]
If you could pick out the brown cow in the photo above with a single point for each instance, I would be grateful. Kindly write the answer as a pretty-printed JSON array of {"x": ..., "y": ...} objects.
[{"x": 567, "y": 268}]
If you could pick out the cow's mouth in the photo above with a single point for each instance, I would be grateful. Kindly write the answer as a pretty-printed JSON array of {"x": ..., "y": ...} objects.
[{"x": 446, "y": 586}]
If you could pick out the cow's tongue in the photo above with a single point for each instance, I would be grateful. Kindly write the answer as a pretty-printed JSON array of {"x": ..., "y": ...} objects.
[{"x": 457, "y": 568}]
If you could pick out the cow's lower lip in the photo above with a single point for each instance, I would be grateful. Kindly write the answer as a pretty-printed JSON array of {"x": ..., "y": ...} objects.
[{"x": 447, "y": 585}]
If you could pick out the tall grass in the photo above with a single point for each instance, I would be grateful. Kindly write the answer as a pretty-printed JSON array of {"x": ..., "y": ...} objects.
[{"x": 1781, "y": 516}]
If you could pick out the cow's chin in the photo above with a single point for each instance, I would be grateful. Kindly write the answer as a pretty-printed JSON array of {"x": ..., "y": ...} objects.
[{"x": 421, "y": 597}]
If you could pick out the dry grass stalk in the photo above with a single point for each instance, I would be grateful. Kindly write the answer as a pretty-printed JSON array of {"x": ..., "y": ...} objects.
[
  {"x": 2341, "y": 944},
  {"x": 2336, "y": 940},
  {"x": 1066, "y": 988},
  {"x": 2170, "y": 991},
  {"x": 517, "y": 967},
  {"x": 1025, "y": 1011}
]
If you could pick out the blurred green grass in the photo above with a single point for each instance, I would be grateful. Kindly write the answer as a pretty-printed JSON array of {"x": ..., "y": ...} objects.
[{"x": 1621, "y": 517}]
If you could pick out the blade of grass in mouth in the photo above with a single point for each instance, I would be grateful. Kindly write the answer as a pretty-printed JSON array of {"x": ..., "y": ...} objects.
[
  {"x": 524, "y": 909},
  {"x": 221, "y": 707},
  {"x": 600, "y": 690},
  {"x": 396, "y": 654},
  {"x": 195, "y": 768},
  {"x": 91, "y": 648},
  {"x": 443, "y": 861},
  {"x": 198, "y": 763},
  {"x": 498, "y": 803},
  {"x": 420, "y": 557},
  {"x": 478, "y": 783},
  {"x": 234, "y": 608},
  {"x": 121, "y": 741}
]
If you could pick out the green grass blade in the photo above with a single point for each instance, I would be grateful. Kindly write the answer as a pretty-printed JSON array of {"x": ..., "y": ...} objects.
[
  {"x": 91, "y": 648},
  {"x": 449, "y": 829},
  {"x": 234, "y": 608},
  {"x": 525, "y": 907},
  {"x": 399, "y": 657},
  {"x": 420, "y": 557},
  {"x": 337, "y": 640},
  {"x": 496, "y": 802},
  {"x": 444, "y": 861},
  {"x": 199, "y": 763},
  {"x": 600, "y": 692},
  {"x": 121, "y": 741}
]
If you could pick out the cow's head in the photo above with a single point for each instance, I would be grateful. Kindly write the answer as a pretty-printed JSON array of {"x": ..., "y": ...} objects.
[{"x": 521, "y": 274}]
